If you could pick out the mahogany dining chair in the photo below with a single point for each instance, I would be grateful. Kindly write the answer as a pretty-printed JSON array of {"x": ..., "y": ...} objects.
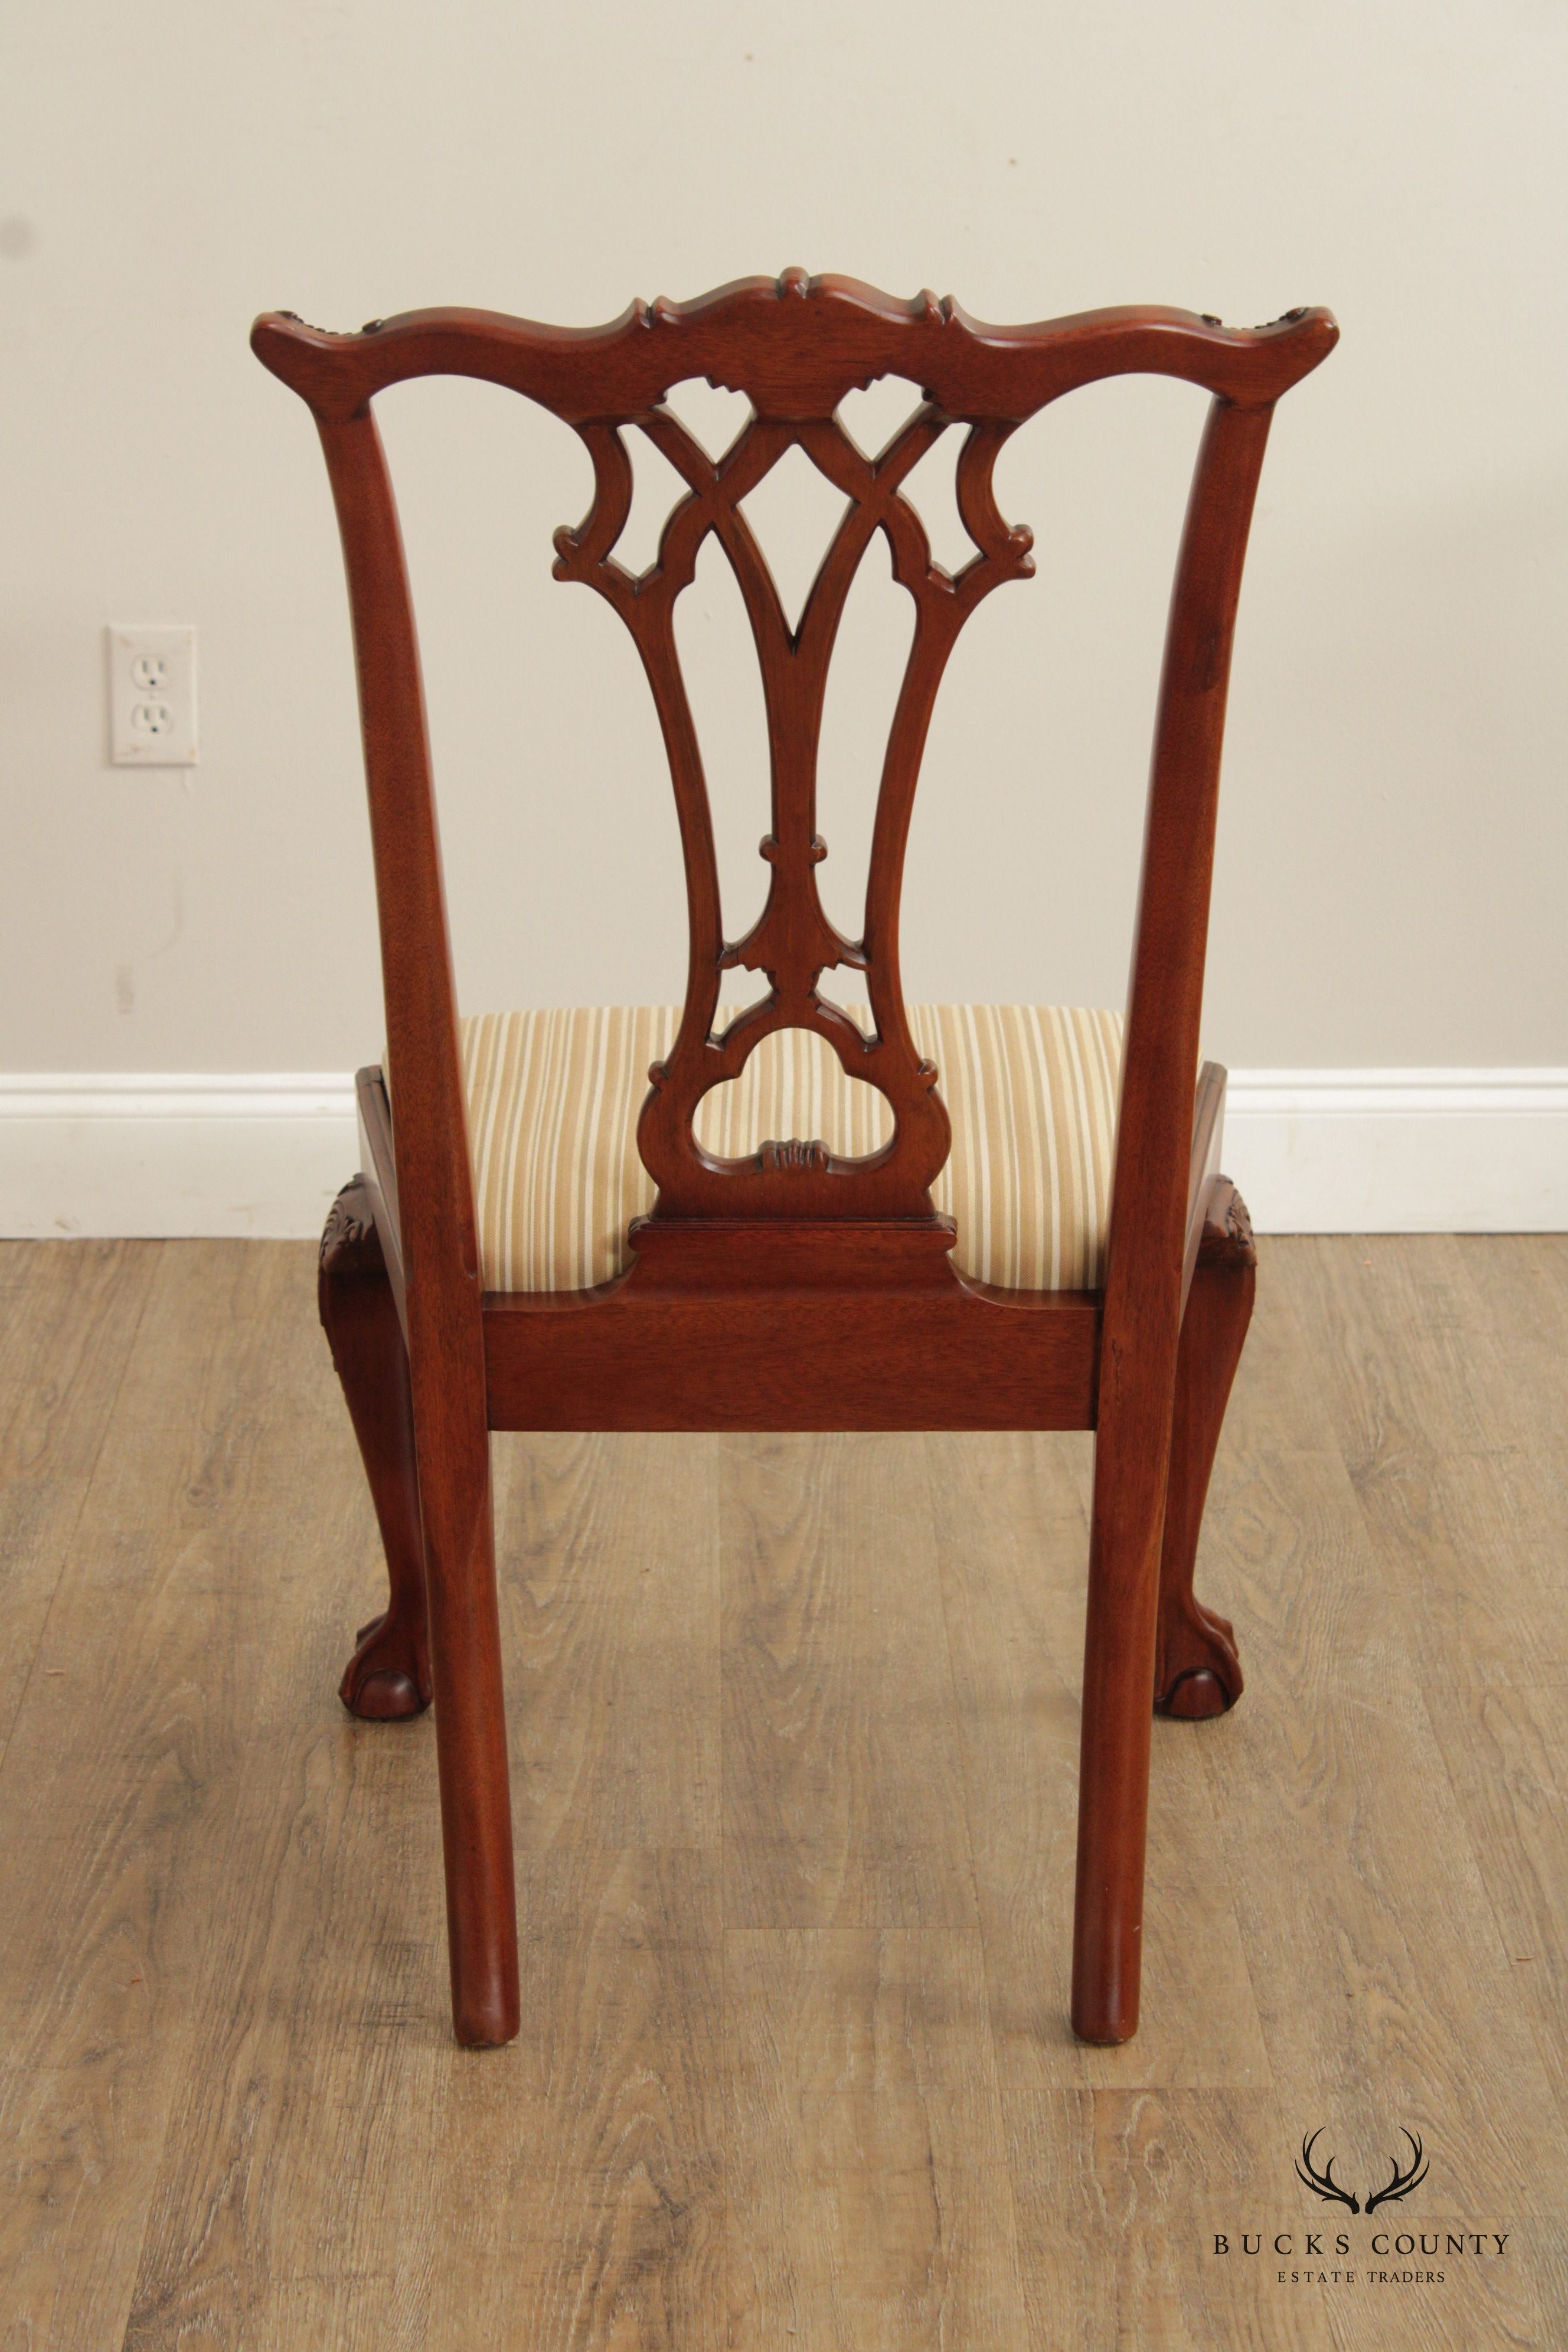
[{"x": 1020, "y": 1223}]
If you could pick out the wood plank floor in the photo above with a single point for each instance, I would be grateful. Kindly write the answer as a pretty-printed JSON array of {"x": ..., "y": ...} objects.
[{"x": 794, "y": 1727}]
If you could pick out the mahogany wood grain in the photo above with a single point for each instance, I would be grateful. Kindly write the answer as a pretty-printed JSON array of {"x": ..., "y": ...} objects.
[
  {"x": 438, "y": 1246},
  {"x": 749, "y": 336},
  {"x": 379, "y": 1176},
  {"x": 1202, "y": 1166},
  {"x": 1198, "y": 1672},
  {"x": 1148, "y": 1226},
  {"x": 792, "y": 1359},
  {"x": 388, "y": 1675},
  {"x": 793, "y": 1287}
]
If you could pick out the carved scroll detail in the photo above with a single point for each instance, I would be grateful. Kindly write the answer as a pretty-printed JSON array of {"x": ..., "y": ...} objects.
[
  {"x": 349, "y": 1243},
  {"x": 1227, "y": 1238},
  {"x": 793, "y": 943},
  {"x": 794, "y": 1154}
]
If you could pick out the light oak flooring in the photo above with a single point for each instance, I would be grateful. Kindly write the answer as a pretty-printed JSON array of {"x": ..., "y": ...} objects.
[{"x": 794, "y": 1743}]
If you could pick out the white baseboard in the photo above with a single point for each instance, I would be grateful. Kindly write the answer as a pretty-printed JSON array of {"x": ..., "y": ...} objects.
[
  {"x": 255, "y": 1153},
  {"x": 262, "y": 1154},
  {"x": 1400, "y": 1151}
]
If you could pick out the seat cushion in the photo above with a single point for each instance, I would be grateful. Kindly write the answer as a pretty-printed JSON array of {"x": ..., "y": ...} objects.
[{"x": 553, "y": 1098}]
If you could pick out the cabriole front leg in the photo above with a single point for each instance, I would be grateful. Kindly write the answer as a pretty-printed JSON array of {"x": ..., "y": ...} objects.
[
  {"x": 388, "y": 1675},
  {"x": 1198, "y": 1672}
]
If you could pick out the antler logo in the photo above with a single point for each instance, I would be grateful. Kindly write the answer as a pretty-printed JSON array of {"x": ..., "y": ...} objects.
[
  {"x": 1402, "y": 2183},
  {"x": 1323, "y": 2184}
]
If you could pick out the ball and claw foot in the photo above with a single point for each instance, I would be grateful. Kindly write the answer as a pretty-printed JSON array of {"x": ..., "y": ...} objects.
[
  {"x": 1199, "y": 1671},
  {"x": 386, "y": 1680}
]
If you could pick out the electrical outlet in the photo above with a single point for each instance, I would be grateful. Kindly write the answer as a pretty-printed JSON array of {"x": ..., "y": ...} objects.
[{"x": 151, "y": 697}]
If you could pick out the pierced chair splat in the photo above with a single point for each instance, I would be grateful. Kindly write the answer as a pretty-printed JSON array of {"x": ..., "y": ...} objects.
[{"x": 1014, "y": 1217}]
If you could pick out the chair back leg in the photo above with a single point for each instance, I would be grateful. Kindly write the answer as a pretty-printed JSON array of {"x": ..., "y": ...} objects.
[
  {"x": 1131, "y": 1456},
  {"x": 454, "y": 1456},
  {"x": 1113, "y": 1776}
]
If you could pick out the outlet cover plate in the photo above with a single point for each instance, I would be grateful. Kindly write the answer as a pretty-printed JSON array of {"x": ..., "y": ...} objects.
[{"x": 151, "y": 696}]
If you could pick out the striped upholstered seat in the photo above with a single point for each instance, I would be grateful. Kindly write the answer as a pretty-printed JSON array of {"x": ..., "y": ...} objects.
[{"x": 553, "y": 1101}]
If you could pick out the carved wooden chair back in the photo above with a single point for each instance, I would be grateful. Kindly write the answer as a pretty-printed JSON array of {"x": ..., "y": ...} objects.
[
  {"x": 794, "y": 1211},
  {"x": 796, "y": 348}
]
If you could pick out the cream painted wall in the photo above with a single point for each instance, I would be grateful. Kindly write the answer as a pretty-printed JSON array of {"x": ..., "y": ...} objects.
[{"x": 1391, "y": 876}]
